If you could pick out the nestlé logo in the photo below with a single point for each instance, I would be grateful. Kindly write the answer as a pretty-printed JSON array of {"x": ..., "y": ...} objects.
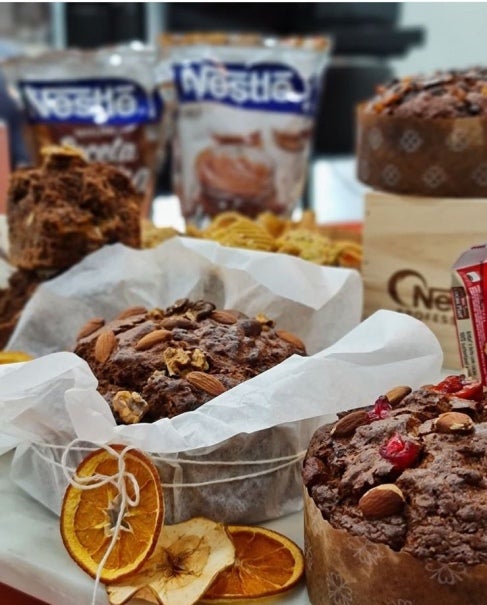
[
  {"x": 256, "y": 86},
  {"x": 414, "y": 296},
  {"x": 94, "y": 101}
]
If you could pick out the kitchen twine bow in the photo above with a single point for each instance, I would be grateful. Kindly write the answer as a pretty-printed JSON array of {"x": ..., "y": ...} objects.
[
  {"x": 118, "y": 480},
  {"x": 280, "y": 461},
  {"x": 122, "y": 476}
]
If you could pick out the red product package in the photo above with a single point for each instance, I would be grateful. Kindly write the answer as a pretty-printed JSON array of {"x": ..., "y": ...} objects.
[{"x": 469, "y": 295}]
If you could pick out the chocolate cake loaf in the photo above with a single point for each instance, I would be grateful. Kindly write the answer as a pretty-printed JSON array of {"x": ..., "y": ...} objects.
[
  {"x": 58, "y": 213},
  {"x": 158, "y": 363},
  {"x": 20, "y": 287},
  {"x": 65, "y": 209},
  {"x": 402, "y": 485}
]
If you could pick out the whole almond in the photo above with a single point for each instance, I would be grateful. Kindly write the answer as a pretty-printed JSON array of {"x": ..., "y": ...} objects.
[
  {"x": 382, "y": 501},
  {"x": 348, "y": 424},
  {"x": 224, "y": 317},
  {"x": 92, "y": 325},
  {"x": 151, "y": 339},
  {"x": 397, "y": 394},
  {"x": 454, "y": 422},
  {"x": 178, "y": 322},
  {"x": 291, "y": 338},
  {"x": 105, "y": 343},
  {"x": 131, "y": 311},
  {"x": 206, "y": 382}
]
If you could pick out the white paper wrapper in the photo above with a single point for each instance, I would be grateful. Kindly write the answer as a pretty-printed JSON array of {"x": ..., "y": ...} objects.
[
  {"x": 240, "y": 454},
  {"x": 238, "y": 457},
  {"x": 319, "y": 304}
]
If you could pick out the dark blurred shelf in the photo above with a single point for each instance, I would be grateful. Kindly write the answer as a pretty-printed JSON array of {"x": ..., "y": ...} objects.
[{"x": 376, "y": 41}]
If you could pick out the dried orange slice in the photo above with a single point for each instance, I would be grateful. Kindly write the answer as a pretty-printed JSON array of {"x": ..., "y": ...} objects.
[
  {"x": 13, "y": 356},
  {"x": 266, "y": 563},
  {"x": 88, "y": 517}
]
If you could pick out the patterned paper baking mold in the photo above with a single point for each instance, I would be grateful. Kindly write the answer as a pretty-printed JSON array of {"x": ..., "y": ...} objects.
[
  {"x": 342, "y": 569},
  {"x": 437, "y": 157}
]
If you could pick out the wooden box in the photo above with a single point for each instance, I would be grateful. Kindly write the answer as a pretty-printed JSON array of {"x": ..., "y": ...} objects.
[{"x": 410, "y": 245}]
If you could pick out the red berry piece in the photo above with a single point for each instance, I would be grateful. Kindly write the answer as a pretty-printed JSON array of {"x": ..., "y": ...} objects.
[
  {"x": 381, "y": 409},
  {"x": 460, "y": 386},
  {"x": 401, "y": 453}
]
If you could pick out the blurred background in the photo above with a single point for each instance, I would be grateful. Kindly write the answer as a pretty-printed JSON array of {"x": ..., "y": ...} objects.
[{"x": 373, "y": 43}]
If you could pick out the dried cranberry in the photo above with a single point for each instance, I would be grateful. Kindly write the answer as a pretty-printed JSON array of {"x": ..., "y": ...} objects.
[
  {"x": 381, "y": 409},
  {"x": 401, "y": 453},
  {"x": 461, "y": 386}
]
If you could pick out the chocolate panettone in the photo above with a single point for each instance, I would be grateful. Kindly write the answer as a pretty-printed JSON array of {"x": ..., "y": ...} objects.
[
  {"x": 400, "y": 487},
  {"x": 158, "y": 363},
  {"x": 65, "y": 209},
  {"x": 445, "y": 94}
]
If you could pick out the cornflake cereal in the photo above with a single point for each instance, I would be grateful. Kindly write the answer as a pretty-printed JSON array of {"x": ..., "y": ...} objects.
[{"x": 271, "y": 233}]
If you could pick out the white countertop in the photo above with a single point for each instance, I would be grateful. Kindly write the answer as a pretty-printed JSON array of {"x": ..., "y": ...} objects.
[{"x": 34, "y": 560}]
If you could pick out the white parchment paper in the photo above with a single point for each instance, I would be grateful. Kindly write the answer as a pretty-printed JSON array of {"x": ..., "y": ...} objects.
[
  {"x": 319, "y": 304},
  {"x": 238, "y": 457}
]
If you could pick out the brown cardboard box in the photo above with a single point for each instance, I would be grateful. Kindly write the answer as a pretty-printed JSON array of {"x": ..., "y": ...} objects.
[{"x": 410, "y": 245}]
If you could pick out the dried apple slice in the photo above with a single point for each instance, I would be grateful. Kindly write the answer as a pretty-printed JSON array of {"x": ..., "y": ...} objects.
[{"x": 187, "y": 558}]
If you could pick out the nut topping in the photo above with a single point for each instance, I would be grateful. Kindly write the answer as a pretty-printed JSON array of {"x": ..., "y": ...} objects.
[
  {"x": 151, "y": 339},
  {"x": 382, "y": 501},
  {"x": 132, "y": 311},
  {"x": 92, "y": 325},
  {"x": 224, "y": 317},
  {"x": 178, "y": 322},
  {"x": 397, "y": 394},
  {"x": 291, "y": 338},
  {"x": 251, "y": 327},
  {"x": 348, "y": 424},
  {"x": 264, "y": 320},
  {"x": 454, "y": 422},
  {"x": 206, "y": 382},
  {"x": 179, "y": 361},
  {"x": 199, "y": 310},
  {"x": 130, "y": 406},
  {"x": 105, "y": 343}
]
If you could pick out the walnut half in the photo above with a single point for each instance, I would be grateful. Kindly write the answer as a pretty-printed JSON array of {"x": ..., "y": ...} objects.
[{"x": 130, "y": 406}]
